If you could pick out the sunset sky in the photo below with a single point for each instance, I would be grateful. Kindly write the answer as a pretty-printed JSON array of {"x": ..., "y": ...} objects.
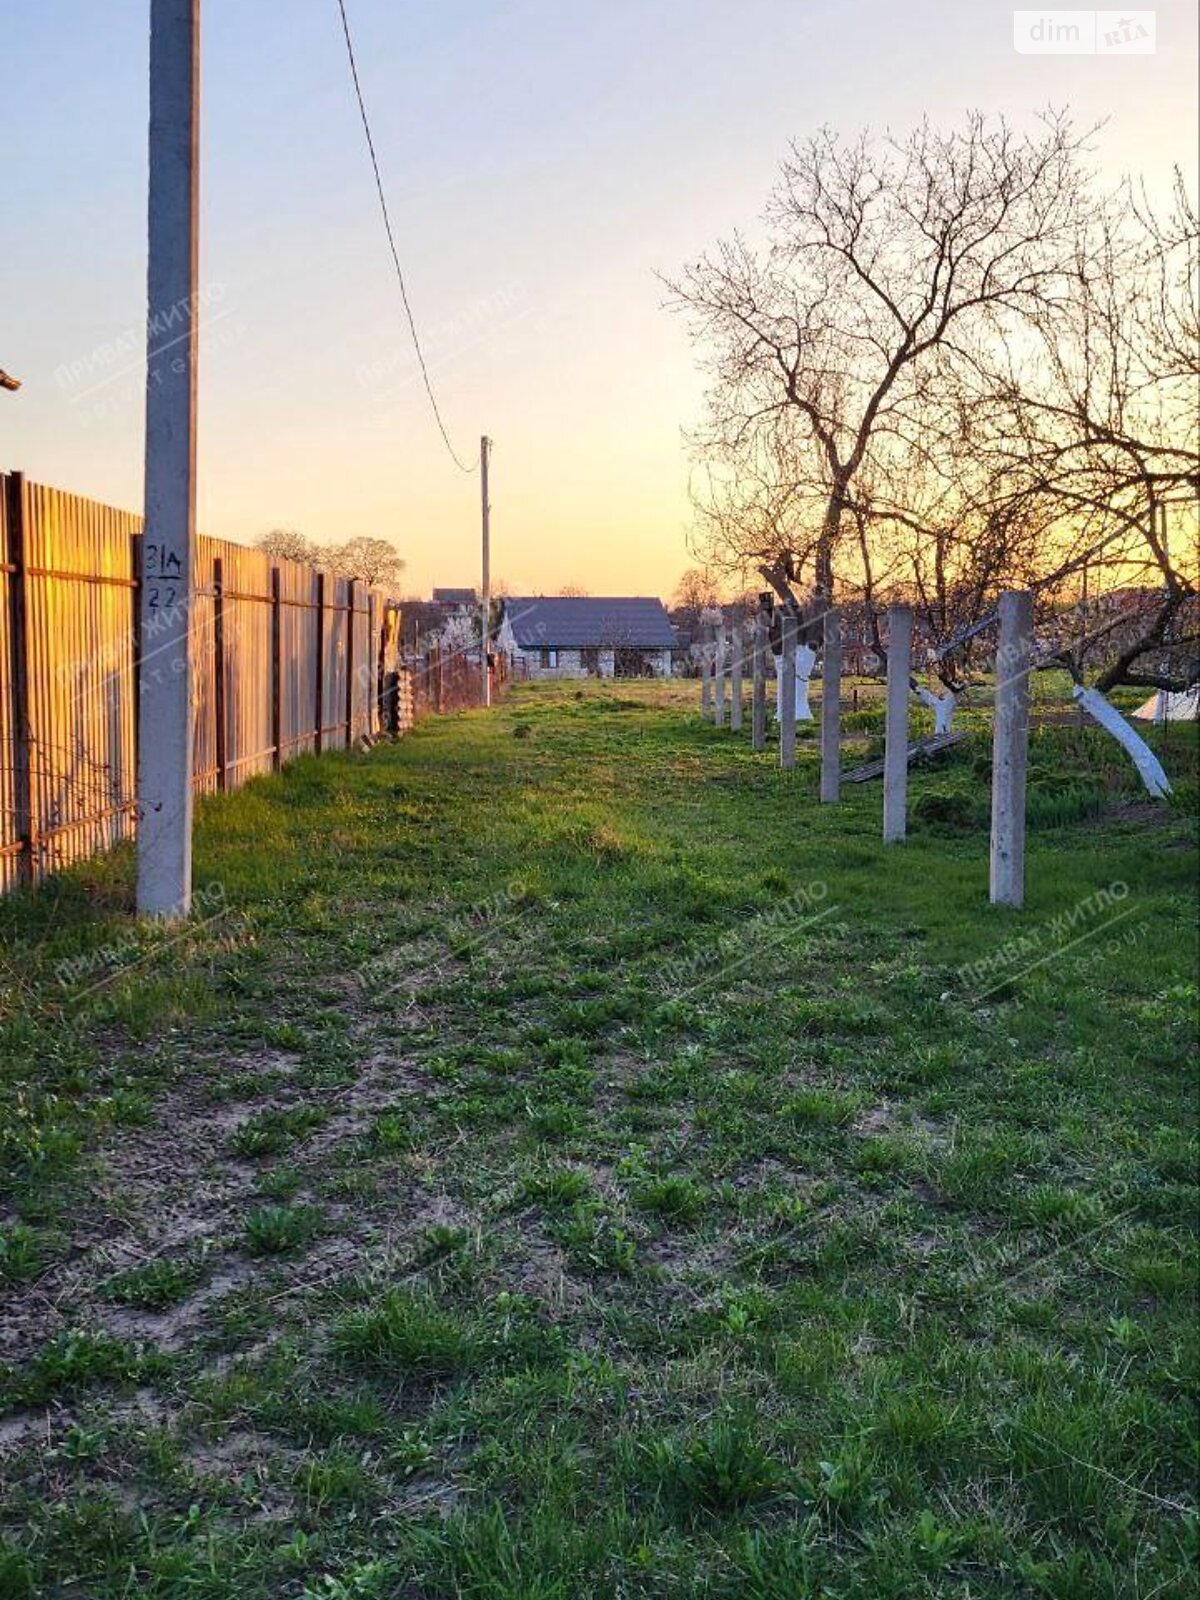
[{"x": 544, "y": 159}]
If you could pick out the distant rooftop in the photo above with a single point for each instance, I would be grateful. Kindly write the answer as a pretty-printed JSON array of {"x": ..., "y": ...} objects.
[
  {"x": 454, "y": 597},
  {"x": 633, "y": 622}
]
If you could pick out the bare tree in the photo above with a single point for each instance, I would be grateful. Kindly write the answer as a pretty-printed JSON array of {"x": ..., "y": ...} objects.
[
  {"x": 696, "y": 589},
  {"x": 834, "y": 349},
  {"x": 1090, "y": 426}
]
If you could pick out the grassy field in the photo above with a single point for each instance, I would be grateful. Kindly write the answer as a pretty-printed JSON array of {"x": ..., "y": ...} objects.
[{"x": 561, "y": 1160}]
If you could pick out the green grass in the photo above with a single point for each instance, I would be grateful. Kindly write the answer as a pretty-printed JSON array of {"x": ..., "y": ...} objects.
[
  {"x": 277, "y": 1230},
  {"x": 272, "y": 1132},
  {"x": 575, "y": 1164},
  {"x": 403, "y": 1333},
  {"x": 20, "y": 1253},
  {"x": 155, "y": 1284}
]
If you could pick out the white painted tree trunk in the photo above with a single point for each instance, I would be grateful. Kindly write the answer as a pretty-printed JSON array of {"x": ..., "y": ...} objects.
[
  {"x": 943, "y": 707},
  {"x": 1110, "y": 719},
  {"x": 805, "y": 659}
]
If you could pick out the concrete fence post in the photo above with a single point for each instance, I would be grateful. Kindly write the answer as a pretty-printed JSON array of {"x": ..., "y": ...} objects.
[
  {"x": 736, "y": 651},
  {"x": 895, "y": 755},
  {"x": 1010, "y": 749},
  {"x": 758, "y": 688},
  {"x": 787, "y": 707},
  {"x": 706, "y": 685},
  {"x": 831, "y": 711},
  {"x": 719, "y": 673}
]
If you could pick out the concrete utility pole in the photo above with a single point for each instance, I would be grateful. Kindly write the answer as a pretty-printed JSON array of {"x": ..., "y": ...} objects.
[
  {"x": 485, "y": 450},
  {"x": 1010, "y": 749},
  {"x": 831, "y": 709},
  {"x": 164, "y": 812},
  {"x": 895, "y": 746}
]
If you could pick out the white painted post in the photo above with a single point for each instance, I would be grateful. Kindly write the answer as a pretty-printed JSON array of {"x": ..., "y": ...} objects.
[
  {"x": 895, "y": 752},
  {"x": 758, "y": 693},
  {"x": 164, "y": 793},
  {"x": 831, "y": 710},
  {"x": 706, "y": 670},
  {"x": 787, "y": 703},
  {"x": 1010, "y": 749},
  {"x": 719, "y": 671},
  {"x": 736, "y": 650},
  {"x": 485, "y": 597}
]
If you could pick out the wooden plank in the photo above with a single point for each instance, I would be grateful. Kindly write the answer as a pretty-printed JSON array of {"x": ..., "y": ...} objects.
[{"x": 922, "y": 749}]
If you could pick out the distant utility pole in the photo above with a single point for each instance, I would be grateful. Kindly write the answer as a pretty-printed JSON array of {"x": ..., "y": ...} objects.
[
  {"x": 164, "y": 810},
  {"x": 485, "y": 450}
]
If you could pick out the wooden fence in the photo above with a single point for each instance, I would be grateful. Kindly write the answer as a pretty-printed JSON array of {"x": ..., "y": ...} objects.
[
  {"x": 286, "y": 659},
  {"x": 440, "y": 680}
]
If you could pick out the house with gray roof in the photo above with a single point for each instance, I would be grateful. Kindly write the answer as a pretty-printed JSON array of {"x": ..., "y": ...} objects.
[
  {"x": 622, "y": 636},
  {"x": 452, "y": 600}
]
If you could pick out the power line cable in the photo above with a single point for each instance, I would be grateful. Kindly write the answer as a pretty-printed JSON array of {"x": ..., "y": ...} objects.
[{"x": 387, "y": 223}]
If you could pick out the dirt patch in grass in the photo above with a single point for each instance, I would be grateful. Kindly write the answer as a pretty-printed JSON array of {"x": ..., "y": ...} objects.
[{"x": 177, "y": 1190}]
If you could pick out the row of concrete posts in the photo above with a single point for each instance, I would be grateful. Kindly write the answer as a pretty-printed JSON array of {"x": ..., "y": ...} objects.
[{"x": 722, "y": 671}]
